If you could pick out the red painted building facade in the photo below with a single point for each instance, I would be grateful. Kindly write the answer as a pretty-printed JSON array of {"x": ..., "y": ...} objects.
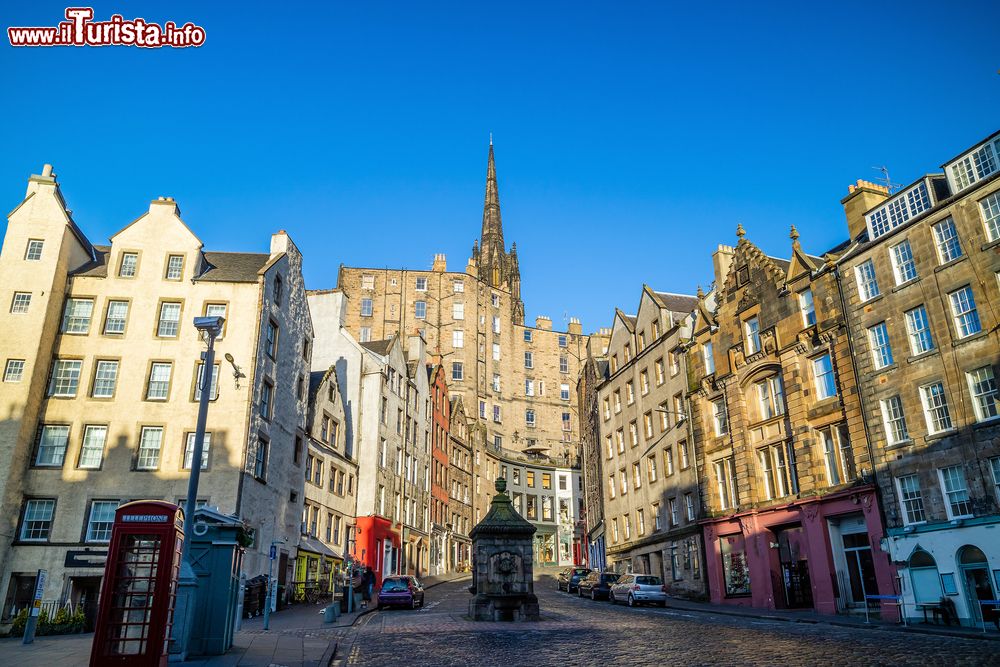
[{"x": 440, "y": 421}]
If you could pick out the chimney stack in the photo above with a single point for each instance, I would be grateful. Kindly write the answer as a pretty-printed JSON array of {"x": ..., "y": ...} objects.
[
  {"x": 543, "y": 322},
  {"x": 575, "y": 327},
  {"x": 722, "y": 259},
  {"x": 440, "y": 264},
  {"x": 861, "y": 198}
]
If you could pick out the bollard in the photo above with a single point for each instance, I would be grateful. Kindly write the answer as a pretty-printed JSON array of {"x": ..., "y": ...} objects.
[{"x": 330, "y": 613}]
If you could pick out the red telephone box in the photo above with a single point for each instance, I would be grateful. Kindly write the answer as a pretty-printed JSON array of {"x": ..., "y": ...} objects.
[{"x": 140, "y": 585}]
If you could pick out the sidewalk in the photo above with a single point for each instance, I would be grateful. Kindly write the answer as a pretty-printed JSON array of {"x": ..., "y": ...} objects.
[
  {"x": 297, "y": 637},
  {"x": 844, "y": 620}
]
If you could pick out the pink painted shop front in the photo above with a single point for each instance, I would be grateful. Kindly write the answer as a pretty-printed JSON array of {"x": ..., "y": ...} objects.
[{"x": 821, "y": 554}]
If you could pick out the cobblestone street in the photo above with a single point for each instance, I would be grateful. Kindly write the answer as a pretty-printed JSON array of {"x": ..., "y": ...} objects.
[{"x": 581, "y": 632}]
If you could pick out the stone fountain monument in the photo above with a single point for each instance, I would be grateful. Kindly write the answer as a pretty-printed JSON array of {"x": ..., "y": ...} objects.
[{"x": 503, "y": 564}]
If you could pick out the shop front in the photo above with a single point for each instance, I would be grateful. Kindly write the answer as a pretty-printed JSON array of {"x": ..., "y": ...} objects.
[
  {"x": 315, "y": 567},
  {"x": 378, "y": 546},
  {"x": 821, "y": 554}
]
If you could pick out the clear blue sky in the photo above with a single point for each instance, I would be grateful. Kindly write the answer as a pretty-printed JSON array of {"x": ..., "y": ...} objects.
[{"x": 630, "y": 140}]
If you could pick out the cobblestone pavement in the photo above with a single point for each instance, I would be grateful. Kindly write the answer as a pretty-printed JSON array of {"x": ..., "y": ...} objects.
[{"x": 580, "y": 632}]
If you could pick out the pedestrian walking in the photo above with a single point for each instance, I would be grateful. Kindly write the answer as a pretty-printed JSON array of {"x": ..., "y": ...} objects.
[{"x": 367, "y": 586}]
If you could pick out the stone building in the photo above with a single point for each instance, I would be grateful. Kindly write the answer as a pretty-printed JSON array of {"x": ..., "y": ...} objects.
[
  {"x": 594, "y": 371},
  {"x": 331, "y": 475},
  {"x": 650, "y": 481},
  {"x": 792, "y": 513},
  {"x": 460, "y": 481},
  {"x": 388, "y": 417},
  {"x": 516, "y": 377},
  {"x": 100, "y": 368},
  {"x": 921, "y": 286},
  {"x": 440, "y": 477}
]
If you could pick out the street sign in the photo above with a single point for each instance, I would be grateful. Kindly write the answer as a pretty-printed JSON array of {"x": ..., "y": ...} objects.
[
  {"x": 274, "y": 552},
  {"x": 36, "y": 606}
]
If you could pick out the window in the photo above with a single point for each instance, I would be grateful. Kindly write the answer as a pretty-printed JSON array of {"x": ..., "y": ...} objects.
[
  {"x": 991, "y": 217},
  {"x": 158, "y": 387},
  {"x": 219, "y": 310},
  {"x": 562, "y": 340},
  {"x": 995, "y": 467},
  {"x": 647, "y": 425},
  {"x": 955, "y": 492},
  {"x": 260, "y": 463},
  {"x": 266, "y": 399},
  {"x": 566, "y": 425},
  {"x": 963, "y": 309},
  {"x": 14, "y": 370},
  {"x": 675, "y": 362},
  {"x": 175, "y": 267},
  {"x": 65, "y": 377},
  {"x": 620, "y": 440},
  {"x": 458, "y": 310},
  {"x": 771, "y": 397},
  {"x": 973, "y": 167},
  {"x": 366, "y": 307},
  {"x": 129, "y": 264},
  {"x": 420, "y": 310},
  {"x": 530, "y": 478},
  {"x": 527, "y": 335},
  {"x": 668, "y": 461},
  {"x": 807, "y": 307},
  {"x": 37, "y": 522},
  {"x": 672, "y": 508},
  {"x": 708, "y": 355},
  {"x": 529, "y": 418},
  {"x": 983, "y": 387},
  {"x": 564, "y": 392},
  {"x": 657, "y": 517},
  {"x": 458, "y": 286},
  {"x": 496, "y": 382},
  {"x": 105, "y": 378},
  {"x": 618, "y": 401},
  {"x": 496, "y": 413},
  {"x": 826, "y": 383},
  {"x": 628, "y": 352},
  {"x": 878, "y": 338},
  {"x": 21, "y": 302},
  {"x": 52, "y": 443},
  {"x": 640, "y": 522},
  {"x": 421, "y": 284},
  {"x": 368, "y": 282},
  {"x": 776, "y": 471},
  {"x": 170, "y": 318},
  {"x": 838, "y": 455},
  {"x": 651, "y": 468},
  {"x": 101, "y": 519},
  {"x": 623, "y": 482},
  {"x": 271, "y": 340},
  {"x": 614, "y": 526},
  {"x": 633, "y": 434},
  {"x": 607, "y": 408},
  {"x": 689, "y": 506},
  {"x": 458, "y": 338},
  {"x": 546, "y": 480},
  {"x": 751, "y": 329},
  {"x": 532, "y": 508},
  {"x": 563, "y": 364},
  {"x": 92, "y": 449},
  {"x": 528, "y": 360},
  {"x": 867, "y": 283},
  {"x": 114, "y": 321},
  {"x": 658, "y": 371},
  {"x": 644, "y": 382},
  {"x": 895, "y": 421},
  {"x": 496, "y": 351},
  {"x": 919, "y": 330},
  {"x": 629, "y": 392},
  {"x": 365, "y": 334},
  {"x": 150, "y": 442},
  {"x": 719, "y": 417},
  {"x": 33, "y": 252},
  {"x": 76, "y": 316},
  {"x": 682, "y": 446},
  {"x": 496, "y": 324},
  {"x": 946, "y": 240},
  {"x": 627, "y": 519},
  {"x": 903, "y": 266},
  {"x": 457, "y": 370},
  {"x": 911, "y": 499},
  {"x": 206, "y": 446},
  {"x": 936, "y": 411},
  {"x": 213, "y": 391}
]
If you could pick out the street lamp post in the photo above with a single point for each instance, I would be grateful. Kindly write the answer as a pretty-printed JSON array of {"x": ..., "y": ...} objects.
[{"x": 187, "y": 584}]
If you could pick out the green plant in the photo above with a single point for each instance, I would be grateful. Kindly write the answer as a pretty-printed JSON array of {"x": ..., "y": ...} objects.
[{"x": 17, "y": 626}]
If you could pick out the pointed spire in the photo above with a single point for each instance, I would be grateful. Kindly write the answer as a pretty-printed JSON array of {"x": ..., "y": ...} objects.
[{"x": 492, "y": 236}]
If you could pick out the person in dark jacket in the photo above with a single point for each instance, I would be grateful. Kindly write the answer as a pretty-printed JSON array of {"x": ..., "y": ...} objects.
[{"x": 367, "y": 586}]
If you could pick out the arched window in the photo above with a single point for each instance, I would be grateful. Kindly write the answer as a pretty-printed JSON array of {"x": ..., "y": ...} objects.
[
  {"x": 924, "y": 576},
  {"x": 970, "y": 555}
]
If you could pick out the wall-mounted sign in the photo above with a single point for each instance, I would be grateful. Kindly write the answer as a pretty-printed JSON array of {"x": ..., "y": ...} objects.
[
  {"x": 145, "y": 518},
  {"x": 86, "y": 558}
]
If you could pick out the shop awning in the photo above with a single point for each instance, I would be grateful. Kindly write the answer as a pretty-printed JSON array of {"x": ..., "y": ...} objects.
[{"x": 313, "y": 545}]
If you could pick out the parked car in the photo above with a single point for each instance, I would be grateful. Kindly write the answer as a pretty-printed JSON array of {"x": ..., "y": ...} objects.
[
  {"x": 570, "y": 577},
  {"x": 597, "y": 585},
  {"x": 635, "y": 589},
  {"x": 402, "y": 590}
]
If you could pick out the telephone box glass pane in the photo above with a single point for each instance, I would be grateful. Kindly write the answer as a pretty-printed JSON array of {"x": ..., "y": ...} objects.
[{"x": 132, "y": 601}]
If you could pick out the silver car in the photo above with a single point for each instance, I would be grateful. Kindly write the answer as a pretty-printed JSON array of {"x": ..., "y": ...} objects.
[{"x": 635, "y": 589}]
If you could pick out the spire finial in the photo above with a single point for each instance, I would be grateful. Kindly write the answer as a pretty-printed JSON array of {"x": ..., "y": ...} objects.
[
  {"x": 700, "y": 294},
  {"x": 794, "y": 235},
  {"x": 491, "y": 138},
  {"x": 740, "y": 232}
]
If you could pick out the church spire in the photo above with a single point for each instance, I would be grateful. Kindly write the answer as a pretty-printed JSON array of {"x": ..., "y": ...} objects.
[{"x": 492, "y": 225}]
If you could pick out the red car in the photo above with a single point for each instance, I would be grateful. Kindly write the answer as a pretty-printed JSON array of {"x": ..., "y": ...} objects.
[{"x": 401, "y": 590}]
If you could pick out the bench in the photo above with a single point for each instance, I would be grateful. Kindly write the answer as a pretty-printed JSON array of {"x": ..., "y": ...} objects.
[{"x": 943, "y": 610}]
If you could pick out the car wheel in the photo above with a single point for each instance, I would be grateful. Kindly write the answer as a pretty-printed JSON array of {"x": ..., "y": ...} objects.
[
  {"x": 579, "y": 592},
  {"x": 611, "y": 598},
  {"x": 413, "y": 603},
  {"x": 631, "y": 601}
]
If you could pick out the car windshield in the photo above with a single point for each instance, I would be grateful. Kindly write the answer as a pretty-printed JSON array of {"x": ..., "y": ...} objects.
[
  {"x": 581, "y": 571},
  {"x": 648, "y": 581},
  {"x": 394, "y": 585},
  {"x": 610, "y": 578}
]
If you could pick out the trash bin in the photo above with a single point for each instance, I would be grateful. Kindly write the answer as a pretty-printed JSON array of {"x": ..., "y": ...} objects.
[{"x": 217, "y": 546}]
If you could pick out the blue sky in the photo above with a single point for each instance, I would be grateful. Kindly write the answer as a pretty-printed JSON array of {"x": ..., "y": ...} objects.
[{"x": 630, "y": 137}]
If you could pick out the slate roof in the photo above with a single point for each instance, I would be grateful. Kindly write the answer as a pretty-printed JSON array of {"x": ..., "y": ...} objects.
[
  {"x": 378, "y": 346},
  {"x": 677, "y": 303},
  {"x": 220, "y": 267},
  {"x": 315, "y": 380}
]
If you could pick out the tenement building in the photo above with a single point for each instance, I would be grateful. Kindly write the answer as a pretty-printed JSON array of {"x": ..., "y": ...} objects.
[
  {"x": 921, "y": 287},
  {"x": 650, "y": 485},
  {"x": 593, "y": 372},
  {"x": 792, "y": 514},
  {"x": 460, "y": 481},
  {"x": 100, "y": 388},
  {"x": 515, "y": 377},
  {"x": 386, "y": 395},
  {"x": 330, "y": 501},
  {"x": 440, "y": 472}
]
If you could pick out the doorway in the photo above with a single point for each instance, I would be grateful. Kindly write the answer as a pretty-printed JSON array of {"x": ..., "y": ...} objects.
[
  {"x": 794, "y": 568},
  {"x": 976, "y": 577},
  {"x": 84, "y": 592}
]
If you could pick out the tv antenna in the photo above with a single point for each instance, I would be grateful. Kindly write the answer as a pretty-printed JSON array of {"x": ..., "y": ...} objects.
[{"x": 885, "y": 180}]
